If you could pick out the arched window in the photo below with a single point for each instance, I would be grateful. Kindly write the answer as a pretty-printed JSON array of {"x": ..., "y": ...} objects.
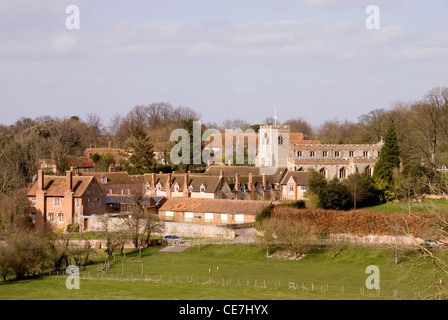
[
  {"x": 323, "y": 172},
  {"x": 368, "y": 170},
  {"x": 342, "y": 173},
  {"x": 280, "y": 140}
]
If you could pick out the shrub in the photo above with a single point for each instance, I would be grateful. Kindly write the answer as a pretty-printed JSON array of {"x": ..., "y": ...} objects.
[{"x": 73, "y": 227}]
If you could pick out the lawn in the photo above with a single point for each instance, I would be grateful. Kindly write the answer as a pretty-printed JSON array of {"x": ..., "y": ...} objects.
[
  {"x": 430, "y": 205},
  {"x": 244, "y": 273}
]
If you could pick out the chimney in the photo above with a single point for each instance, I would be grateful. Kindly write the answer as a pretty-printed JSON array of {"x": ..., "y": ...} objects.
[
  {"x": 111, "y": 167},
  {"x": 69, "y": 180},
  {"x": 265, "y": 188},
  {"x": 251, "y": 187},
  {"x": 40, "y": 180},
  {"x": 221, "y": 173},
  {"x": 237, "y": 186},
  {"x": 153, "y": 184},
  {"x": 168, "y": 186},
  {"x": 109, "y": 145},
  {"x": 186, "y": 191}
]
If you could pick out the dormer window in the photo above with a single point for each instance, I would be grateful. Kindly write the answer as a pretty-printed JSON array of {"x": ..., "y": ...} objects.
[
  {"x": 176, "y": 188},
  {"x": 158, "y": 187},
  {"x": 202, "y": 189},
  {"x": 104, "y": 180}
]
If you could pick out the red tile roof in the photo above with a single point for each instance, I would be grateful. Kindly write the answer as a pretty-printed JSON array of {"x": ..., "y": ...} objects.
[
  {"x": 55, "y": 186},
  {"x": 215, "y": 206}
]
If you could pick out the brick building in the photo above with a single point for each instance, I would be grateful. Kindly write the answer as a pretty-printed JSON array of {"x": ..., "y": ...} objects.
[
  {"x": 213, "y": 211},
  {"x": 294, "y": 185},
  {"x": 58, "y": 201}
]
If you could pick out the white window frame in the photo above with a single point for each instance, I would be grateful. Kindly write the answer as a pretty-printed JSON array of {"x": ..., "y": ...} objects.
[
  {"x": 208, "y": 216},
  {"x": 56, "y": 202},
  {"x": 239, "y": 218},
  {"x": 169, "y": 215}
]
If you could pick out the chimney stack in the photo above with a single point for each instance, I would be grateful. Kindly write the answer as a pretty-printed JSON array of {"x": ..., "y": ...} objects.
[
  {"x": 111, "y": 168},
  {"x": 265, "y": 188},
  {"x": 186, "y": 191},
  {"x": 237, "y": 186},
  {"x": 40, "y": 179},
  {"x": 168, "y": 186},
  {"x": 251, "y": 187},
  {"x": 153, "y": 184},
  {"x": 69, "y": 180}
]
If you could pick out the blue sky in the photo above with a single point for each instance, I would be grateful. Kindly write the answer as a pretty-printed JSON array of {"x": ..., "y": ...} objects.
[{"x": 313, "y": 59}]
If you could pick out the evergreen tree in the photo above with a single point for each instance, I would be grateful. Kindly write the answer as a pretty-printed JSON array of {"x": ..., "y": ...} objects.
[
  {"x": 141, "y": 159},
  {"x": 388, "y": 161}
]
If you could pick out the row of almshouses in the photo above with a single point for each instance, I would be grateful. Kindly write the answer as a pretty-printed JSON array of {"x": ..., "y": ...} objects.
[{"x": 213, "y": 211}]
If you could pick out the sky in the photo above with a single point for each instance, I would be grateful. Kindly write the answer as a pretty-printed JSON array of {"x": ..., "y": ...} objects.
[{"x": 313, "y": 59}]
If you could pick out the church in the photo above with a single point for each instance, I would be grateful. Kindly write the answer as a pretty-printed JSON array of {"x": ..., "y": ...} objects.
[{"x": 278, "y": 147}]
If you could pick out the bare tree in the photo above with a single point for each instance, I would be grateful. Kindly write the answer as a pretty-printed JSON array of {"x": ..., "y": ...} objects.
[
  {"x": 139, "y": 225},
  {"x": 95, "y": 127},
  {"x": 287, "y": 233},
  {"x": 300, "y": 125}
]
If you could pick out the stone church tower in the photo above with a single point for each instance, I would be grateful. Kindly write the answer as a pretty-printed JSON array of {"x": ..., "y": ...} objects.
[{"x": 273, "y": 146}]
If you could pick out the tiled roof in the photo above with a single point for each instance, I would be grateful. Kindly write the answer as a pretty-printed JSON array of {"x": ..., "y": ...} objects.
[
  {"x": 55, "y": 186},
  {"x": 118, "y": 199},
  {"x": 300, "y": 177},
  {"x": 341, "y": 161},
  {"x": 318, "y": 146},
  {"x": 81, "y": 162},
  {"x": 231, "y": 171},
  {"x": 215, "y": 206},
  {"x": 120, "y": 177},
  {"x": 211, "y": 183}
]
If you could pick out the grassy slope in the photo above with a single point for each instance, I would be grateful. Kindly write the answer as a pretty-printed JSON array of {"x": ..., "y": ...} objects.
[
  {"x": 439, "y": 205},
  {"x": 239, "y": 263}
]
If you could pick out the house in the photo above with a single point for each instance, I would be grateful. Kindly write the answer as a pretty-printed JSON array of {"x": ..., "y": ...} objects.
[
  {"x": 59, "y": 201},
  {"x": 250, "y": 183},
  {"x": 294, "y": 185},
  {"x": 186, "y": 185},
  {"x": 213, "y": 211},
  {"x": 79, "y": 164},
  {"x": 118, "y": 183}
]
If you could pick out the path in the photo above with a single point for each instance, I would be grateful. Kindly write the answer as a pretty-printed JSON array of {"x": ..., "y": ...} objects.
[{"x": 176, "y": 248}]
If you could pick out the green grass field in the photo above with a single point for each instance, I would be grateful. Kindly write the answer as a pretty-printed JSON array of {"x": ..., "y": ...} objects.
[
  {"x": 244, "y": 273},
  {"x": 430, "y": 205}
]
